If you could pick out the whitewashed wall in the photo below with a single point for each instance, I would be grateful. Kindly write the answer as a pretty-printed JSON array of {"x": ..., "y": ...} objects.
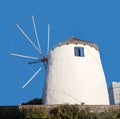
[{"x": 75, "y": 80}]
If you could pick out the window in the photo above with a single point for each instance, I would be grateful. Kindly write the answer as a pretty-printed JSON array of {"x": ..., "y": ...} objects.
[{"x": 79, "y": 51}]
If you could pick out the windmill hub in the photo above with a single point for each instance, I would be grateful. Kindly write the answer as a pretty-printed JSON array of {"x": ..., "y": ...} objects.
[{"x": 44, "y": 59}]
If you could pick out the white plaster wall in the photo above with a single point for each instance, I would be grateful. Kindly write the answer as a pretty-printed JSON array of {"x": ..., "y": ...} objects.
[
  {"x": 116, "y": 92},
  {"x": 75, "y": 80}
]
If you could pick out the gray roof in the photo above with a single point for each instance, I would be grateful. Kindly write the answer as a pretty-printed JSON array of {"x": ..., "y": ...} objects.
[{"x": 78, "y": 41}]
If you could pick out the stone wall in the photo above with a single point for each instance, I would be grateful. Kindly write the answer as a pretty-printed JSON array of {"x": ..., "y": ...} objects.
[{"x": 92, "y": 108}]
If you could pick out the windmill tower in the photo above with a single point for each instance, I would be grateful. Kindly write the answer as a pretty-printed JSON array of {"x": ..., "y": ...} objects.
[
  {"x": 74, "y": 72},
  {"x": 75, "y": 75}
]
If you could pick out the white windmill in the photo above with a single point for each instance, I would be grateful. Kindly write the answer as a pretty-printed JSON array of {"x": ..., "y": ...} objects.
[{"x": 74, "y": 72}]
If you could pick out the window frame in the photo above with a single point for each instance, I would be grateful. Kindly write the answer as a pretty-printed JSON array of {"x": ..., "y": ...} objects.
[{"x": 79, "y": 52}]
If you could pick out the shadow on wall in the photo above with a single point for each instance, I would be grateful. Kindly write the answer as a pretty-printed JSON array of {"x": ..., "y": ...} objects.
[{"x": 111, "y": 96}]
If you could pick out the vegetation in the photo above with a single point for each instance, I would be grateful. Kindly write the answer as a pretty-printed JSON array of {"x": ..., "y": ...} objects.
[
  {"x": 60, "y": 112},
  {"x": 11, "y": 113},
  {"x": 35, "y": 101}
]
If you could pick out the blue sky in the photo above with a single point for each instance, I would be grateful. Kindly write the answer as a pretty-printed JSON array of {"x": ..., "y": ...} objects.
[{"x": 91, "y": 20}]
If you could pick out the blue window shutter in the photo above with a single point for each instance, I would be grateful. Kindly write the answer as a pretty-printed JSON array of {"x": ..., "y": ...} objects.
[
  {"x": 76, "y": 51},
  {"x": 79, "y": 51}
]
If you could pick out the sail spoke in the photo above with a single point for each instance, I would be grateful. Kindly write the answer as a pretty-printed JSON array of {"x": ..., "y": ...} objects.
[
  {"x": 48, "y": 43},
  {"x": 24, "y": 56},
  {"x": 36, "y": 61},
  {"x": 36, "y": 34},
  {"x": 32, "y": 77},
  {"x": 21, "y": 30}
]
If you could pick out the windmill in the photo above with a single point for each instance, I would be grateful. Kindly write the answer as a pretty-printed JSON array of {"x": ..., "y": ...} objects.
[
  {"x": 43, "y": 58},
  {"x": 74, "y": 72}
]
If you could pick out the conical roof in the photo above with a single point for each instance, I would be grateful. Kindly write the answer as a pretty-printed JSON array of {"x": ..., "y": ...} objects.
[{"x": 73, "y": 40}]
